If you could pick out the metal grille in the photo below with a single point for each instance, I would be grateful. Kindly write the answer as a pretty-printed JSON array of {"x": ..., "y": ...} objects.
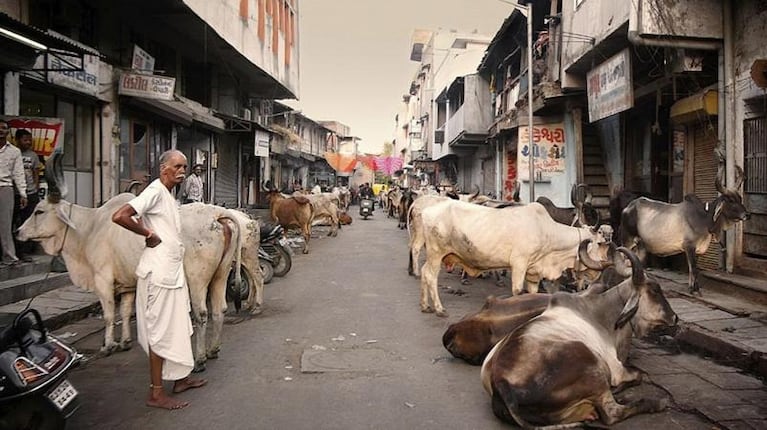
[{"x": 755, "y": 157}]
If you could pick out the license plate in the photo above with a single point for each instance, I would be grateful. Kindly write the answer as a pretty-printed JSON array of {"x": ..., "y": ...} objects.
[{"x": 63, "y": 395}]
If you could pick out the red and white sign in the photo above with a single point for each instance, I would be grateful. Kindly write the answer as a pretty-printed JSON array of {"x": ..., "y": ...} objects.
[
  {"x": 548, "y": 149},
  {"x": 46, "y": 132},
  {"x": 147, "y": 86}
]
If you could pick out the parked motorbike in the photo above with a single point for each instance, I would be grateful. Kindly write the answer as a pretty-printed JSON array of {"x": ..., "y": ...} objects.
[
  {"x": 275, "y": 244},
  {"x": 273, "y": 257},
  {"x": 366, "y": 208},
  {"x": 34, "y": 390}
]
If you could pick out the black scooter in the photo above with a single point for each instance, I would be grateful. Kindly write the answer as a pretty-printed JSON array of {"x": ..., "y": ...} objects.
[{"x": 34, "y": 391}]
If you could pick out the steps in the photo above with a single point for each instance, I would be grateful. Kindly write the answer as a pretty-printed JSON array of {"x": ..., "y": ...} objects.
[
  {"x": 27, "y": 280},
  {"x": 595, "y": 174}
]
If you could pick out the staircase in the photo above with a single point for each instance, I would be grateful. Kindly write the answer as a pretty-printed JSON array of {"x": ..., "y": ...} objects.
[
  {"x": 595, "y": 174},
  {"x": 27, "y": 280}
]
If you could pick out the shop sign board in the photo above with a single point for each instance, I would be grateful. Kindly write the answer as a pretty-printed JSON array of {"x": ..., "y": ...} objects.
[
  {"x": 548, "y": 150},
  {"x": 262, "y": 144},
  {"x": 142, "y": 61},
  {"x": 610, "y": 87},
  {"x": 47, "y": 133},
  {"x": 146, "y": 86}
]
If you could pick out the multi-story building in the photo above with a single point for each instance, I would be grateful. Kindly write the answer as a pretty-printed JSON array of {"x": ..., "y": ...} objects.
[{"x": 124, "y": 81}]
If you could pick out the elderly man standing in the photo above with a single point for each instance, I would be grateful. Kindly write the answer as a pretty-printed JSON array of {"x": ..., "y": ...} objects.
[
  {"x": 193, "y": 186},
  {"x": 162, "y": 296},
  {"x": 11, "y": 172}
]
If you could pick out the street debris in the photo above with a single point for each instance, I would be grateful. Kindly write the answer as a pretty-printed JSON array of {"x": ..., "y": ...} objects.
[
  {"x": 410, "y": 405},
  {"x": 288, "y": 367},
  {"x": 352, "y": 334},
  {"x": 288, "y": 340},
  {"x": 371, "y": 341},
  {"x": 288, "y": 378},
  {"x": 340, "y": 338},
  {"x": 318, "y": 348}
]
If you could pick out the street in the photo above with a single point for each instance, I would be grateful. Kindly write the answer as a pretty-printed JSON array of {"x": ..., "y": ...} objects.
[{"x": 342, "y": 344}]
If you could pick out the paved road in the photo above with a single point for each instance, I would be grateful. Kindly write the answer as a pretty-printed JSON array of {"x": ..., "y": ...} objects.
[{"x": 342, "y": 345}]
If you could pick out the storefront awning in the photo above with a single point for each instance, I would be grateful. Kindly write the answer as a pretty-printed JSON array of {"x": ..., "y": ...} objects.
[
  {"x": 237, "y": 124},
  {"x": 182, "y": 111},
  {"x": 691, "y": 108}
]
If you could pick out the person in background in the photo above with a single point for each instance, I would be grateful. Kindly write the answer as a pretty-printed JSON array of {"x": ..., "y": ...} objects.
[
  {"x": 31, "y": 164},
  {"x": 193, "y": 187},
  {"x": 11, "y": 173},
  {"x": 162, "y": 296},
  {"x": 316, "y": 189}
]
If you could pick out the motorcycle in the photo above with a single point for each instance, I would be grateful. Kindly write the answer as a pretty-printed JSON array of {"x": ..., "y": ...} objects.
[
  {"x": 366, "y": 208},
  {"x": 273, "y": 257},
  {"x": 34, "y": 390}
]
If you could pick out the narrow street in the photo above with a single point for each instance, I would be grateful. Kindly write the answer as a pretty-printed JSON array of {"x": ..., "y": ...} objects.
[{"x": 342, "y": 345}]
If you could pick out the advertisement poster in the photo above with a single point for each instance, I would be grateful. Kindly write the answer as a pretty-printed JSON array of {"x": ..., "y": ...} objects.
[
  {"x": 548, "y": 150},
  {"x": 46, "y": 133}
]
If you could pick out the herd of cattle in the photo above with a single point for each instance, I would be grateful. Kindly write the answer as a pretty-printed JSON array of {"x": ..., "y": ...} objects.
[
  {"x": 556, "y": 359},
  {"x": 547, "y": 359}
]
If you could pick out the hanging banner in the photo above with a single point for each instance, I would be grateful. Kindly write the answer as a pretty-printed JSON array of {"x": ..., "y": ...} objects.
[
  {"x": 548, "y": 150},
  {"x": 342, "y": 163},
  {"x": 388, "y": 165},
  {"x": 46, "y": 133}
]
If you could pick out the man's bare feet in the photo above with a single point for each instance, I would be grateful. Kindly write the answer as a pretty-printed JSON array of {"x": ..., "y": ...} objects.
[
  {"x": 184, "y": 384},
  {"x": 158, "y": 399}
]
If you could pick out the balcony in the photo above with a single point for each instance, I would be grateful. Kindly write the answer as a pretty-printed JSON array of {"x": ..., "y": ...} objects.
[{"x": 468, "y": 124}]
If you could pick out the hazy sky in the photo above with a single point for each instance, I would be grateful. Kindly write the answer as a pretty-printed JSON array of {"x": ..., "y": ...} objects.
[{"x": 355, "y": 63}]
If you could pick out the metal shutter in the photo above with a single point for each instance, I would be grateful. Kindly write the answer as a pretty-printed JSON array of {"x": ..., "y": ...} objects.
[
  {"x": 705, "y": 167},
  {"x": 226, "y": 174},
  {"x": 755, "y": 186}
]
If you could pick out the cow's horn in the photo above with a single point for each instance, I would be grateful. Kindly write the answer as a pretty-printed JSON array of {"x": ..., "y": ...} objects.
[
  {"x": 718, "y": 180},
  {"x": 586, "y": 259},
  {"x": 739, "y": 177},
  {"x": 637, "y": 271},
  {"x": 595, "y": 227},
  {"x": 474, "y": 196},
  {"x": 572, "y": 195},
  {"x": 54, "y": 176}
]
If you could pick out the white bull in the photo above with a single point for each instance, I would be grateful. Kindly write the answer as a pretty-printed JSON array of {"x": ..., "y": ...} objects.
[
  {"x": 524, "y": 239},
  {"x": 325, "y": 207},
  {"x": 102, "y": 257}
]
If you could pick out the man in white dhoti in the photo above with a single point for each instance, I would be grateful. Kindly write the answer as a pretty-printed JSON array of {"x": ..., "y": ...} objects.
[{"x": 162, "y": 296}]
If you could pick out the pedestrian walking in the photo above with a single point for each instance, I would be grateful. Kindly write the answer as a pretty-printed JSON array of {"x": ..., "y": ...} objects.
[
  {"x": 193, "y": 186},
  {"x": 162, "y": 296},
  {"x": 31, "y": 163},
  {"x": 11, "y": 173}
]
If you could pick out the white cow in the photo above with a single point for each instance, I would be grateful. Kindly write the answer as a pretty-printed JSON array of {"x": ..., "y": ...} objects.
[
  {"x": 102, "y": 257},
  {"x": 524, "y": 239}
]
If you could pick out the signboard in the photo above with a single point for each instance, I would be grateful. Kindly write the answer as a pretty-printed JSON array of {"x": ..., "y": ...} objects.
[
  {"x": 548, "y": 150},
  {"x": 610, "y": 87},
  {"x": 146, "y": 86},
  {"x": 679, "y": 143},
  {"x": 262, "y": 144},
  {"x": 142, "y": 61},
  {"x": 46, "y": 133},
  {"x": 84, "y": 81}
]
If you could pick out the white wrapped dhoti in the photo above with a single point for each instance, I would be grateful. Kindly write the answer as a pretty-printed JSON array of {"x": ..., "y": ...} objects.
[{"x": 164, "y": 325}]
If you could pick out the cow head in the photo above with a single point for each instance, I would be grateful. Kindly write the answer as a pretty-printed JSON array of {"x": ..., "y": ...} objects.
[
  {"x": 48, "y": 225},
  {"x": 646, "y": 308},
  {"x": 729, "y": 208}
]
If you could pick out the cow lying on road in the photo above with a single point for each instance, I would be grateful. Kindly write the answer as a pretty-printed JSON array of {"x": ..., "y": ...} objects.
[
  {"x": 562, "y": 366},
  {"x": 474, "y": 335}
]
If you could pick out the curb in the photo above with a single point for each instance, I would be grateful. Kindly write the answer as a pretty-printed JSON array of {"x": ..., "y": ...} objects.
[{"x": 724, "y": 351}]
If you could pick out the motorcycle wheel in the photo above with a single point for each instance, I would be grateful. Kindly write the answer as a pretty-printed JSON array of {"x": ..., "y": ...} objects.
[
  {"x": 231, "y": 291},
  {"x": 267, "y": 270},
  {"x": 365, "y": 216},
  {"x": 285, "y": 262},
  {"x": 32, "y": 413}
]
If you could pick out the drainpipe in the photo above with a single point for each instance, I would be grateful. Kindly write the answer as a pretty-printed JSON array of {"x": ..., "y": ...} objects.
[{"x": 729, "y": 113}]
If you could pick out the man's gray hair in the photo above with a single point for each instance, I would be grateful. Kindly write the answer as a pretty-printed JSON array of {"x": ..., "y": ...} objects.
[{"x": 167, "y": 154}]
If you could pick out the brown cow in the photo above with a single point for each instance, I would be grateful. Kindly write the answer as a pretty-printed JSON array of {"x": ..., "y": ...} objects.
[
  {"x": 561, "y": 367},
  {"x": 292, "y": 212},
  {"x": 474, "y": 335}
]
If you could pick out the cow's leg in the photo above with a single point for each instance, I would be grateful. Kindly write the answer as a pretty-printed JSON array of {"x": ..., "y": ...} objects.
[
  {"x": 333, "y": 226},
  {"x": 217, "y": 308},
  {"x": 126, "y": 309},
  {"x": 518, "y": 272},
  {"x": 105, "y": 292},
  {"x": 692, "y": 267},
  {"x": 429, "y": 278},
  {"x": 613, "y": 412},
  {"x": 199, "y": 306},
  {"x": 416, "y": 243},
  {"x": 256, "y": 295},
  {"x": 307, "y": 230}
]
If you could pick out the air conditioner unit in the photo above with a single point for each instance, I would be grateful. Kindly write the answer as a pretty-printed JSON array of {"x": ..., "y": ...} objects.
[
  {"x": 439, "y": 136},
  {"x": 246, "y": 114}
]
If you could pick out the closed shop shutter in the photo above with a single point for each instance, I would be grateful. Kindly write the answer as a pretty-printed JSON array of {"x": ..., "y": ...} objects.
[
  {"x": 755, "y": 187},
  {"x": 488, "y": 176},
  {"x": 226, "y": 174},
  {"x": 705, "y": 168}
]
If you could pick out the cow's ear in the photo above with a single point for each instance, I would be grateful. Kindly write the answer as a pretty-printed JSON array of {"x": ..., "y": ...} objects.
[
  {"x": 62, "y": 215},
  {"x": 629, "y": 310},
  {"x": 718, "y": 209}
]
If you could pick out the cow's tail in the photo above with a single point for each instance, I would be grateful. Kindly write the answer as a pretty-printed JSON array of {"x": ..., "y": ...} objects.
[
  {"x": 235, "y": 251},
  {"x": 505, "y": 407},
  {"x": 409, "y": 220}
]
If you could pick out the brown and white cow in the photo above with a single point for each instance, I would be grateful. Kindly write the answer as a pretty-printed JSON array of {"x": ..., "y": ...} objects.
[
  {"x": 326, "y": 211},
  {"x": 292, "y": 212},
  {"x": 524, "y": 239},
  {"x": 562, "y": 366},
  {"x": 474, "y": 335}
]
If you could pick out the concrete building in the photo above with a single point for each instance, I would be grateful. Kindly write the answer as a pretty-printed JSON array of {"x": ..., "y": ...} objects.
[{"x": 124, "y": 81}]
